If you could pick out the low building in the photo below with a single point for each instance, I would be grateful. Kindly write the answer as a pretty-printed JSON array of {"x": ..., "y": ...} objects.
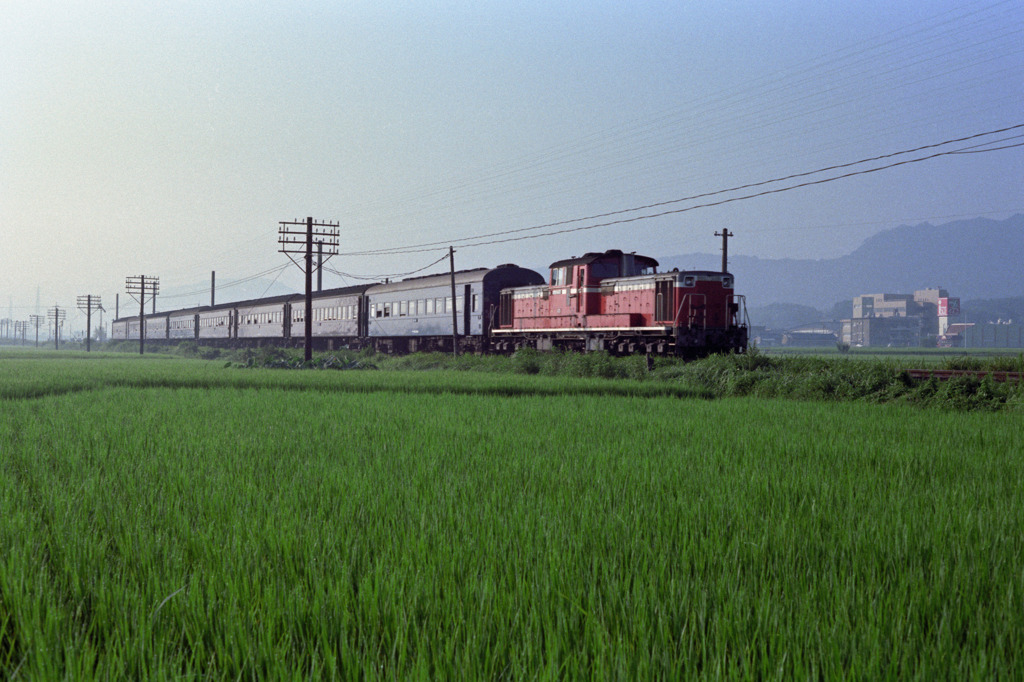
[
  {"x": 881, "y": 331},
  {"x": 985, "y": 335},
  {"x": 917, "y": 319},
  {"x": 763, "y": 337}
]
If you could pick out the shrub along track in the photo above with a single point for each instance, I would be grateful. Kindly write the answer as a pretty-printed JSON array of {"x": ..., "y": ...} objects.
[{"x": 957, "y": 384}]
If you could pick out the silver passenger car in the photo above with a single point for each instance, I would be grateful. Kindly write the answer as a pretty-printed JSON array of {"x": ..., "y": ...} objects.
[{"x": 416, "y": 313}]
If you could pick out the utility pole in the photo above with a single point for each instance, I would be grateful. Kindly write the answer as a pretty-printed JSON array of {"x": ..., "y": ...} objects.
[
  {"x": 455, "y": 315},
  {"x": 320, "y": 265},
  {"x": 725, "y": 234},
  {"x": 56, "y": 314},
  {"x": 294, "y": 241},
  {"x": 36, "y": 320},
  {"x": 213, "y": 285},
  {"x": 139, "y": 287},
  {"x": 89, "y": 303}
]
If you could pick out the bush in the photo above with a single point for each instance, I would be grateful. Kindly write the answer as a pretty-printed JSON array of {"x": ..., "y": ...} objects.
[{"x": 525, "y": 361}]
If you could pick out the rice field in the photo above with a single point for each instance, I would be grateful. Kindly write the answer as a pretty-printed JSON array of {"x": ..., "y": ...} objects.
[{"x": 170, "y": 519}]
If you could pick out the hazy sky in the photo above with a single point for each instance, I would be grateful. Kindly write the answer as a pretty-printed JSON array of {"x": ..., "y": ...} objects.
[{"x": 169, "y": 138}]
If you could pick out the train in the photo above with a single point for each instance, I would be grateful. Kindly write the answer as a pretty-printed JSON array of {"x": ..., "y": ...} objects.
[{"x": 606, "y": 301}]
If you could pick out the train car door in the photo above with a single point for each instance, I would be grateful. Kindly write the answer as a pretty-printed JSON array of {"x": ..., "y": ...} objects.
[
  {"x": 579, "y": 287},
  {"x": 663, "y": 300}
]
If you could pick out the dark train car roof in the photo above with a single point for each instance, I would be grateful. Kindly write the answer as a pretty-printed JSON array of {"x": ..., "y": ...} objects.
[
  {"x": 500, "y": 272},
  {"x": 588, "y": 258},
  {"x": 253, "y": 302},
  {"x": 285, "y": 298}
]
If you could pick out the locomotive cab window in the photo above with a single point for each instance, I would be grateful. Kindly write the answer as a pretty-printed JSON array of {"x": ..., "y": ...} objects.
[{"x": 600, "y": 271}]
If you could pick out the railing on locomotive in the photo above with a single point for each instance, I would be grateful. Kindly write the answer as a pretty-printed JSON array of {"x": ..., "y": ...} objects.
[{"x": 703, "y": 311}]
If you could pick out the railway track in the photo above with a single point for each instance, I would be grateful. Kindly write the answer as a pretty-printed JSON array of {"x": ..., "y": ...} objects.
[{"x": 945, "y": 374}]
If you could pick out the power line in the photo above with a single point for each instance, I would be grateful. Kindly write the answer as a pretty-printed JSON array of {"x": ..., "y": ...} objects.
[
  {"x": 925, "y": 42},
  {"x": 724, "y": 201},
  {"x": 472, "y": 241},
  {"x": 260, "y": 297},
  {"x": 377, "y": 278},
  {"x": 237, "y": 282}
]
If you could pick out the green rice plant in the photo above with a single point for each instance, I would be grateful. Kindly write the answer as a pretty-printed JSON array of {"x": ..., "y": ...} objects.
[
  {"x": 358, "y": 528},
  {"x": 963, "y": 362}
]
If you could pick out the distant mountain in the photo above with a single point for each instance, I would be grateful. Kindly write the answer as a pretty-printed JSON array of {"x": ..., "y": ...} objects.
[
  {"x": 784, "y": 315},
  {"x": 978, "y": 258},
  {"x": 995, "y": 310}
]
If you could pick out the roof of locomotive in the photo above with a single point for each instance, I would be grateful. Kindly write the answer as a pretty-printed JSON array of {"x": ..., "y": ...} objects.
[{"x": 588, "y": 258}]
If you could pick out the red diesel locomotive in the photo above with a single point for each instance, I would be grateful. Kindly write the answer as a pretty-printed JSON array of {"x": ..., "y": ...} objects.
[{"x": 620, "y": 303}]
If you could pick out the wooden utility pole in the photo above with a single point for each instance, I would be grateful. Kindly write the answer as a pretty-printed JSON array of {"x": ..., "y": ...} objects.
[
  {"x": 725, "y": 234},
  {"x": 89, "y": 303},
  {"x": 213, "y": 285},
  {"x": 301, "y": 242},
  {"x": 139, "y": 287},
  {"x": 36, "y": 320},
  {"x": 455, "y": 316},
  {"x": 57, "y": 315}
]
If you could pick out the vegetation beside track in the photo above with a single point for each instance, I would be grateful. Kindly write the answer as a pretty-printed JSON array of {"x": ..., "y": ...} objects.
[{"x": 801, "y": 377}]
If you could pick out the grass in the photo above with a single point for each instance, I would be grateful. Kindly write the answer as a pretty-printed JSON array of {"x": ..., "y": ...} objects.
[
  {"x": 805, "y": 377},
  {"x": 42, "y": 376},
  {"x": 182, "y": 519},
  {"x": 916, "y": 353}
]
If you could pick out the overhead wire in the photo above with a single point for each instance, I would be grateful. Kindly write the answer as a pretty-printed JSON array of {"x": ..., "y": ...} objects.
[
  {"x": 427, "y": 246},
  {"x": 926, "y": 31},
  {"x": 233, "y": 283},
  {"x": 377, "y": 278},
  {"x": 732, "y": 199}
]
